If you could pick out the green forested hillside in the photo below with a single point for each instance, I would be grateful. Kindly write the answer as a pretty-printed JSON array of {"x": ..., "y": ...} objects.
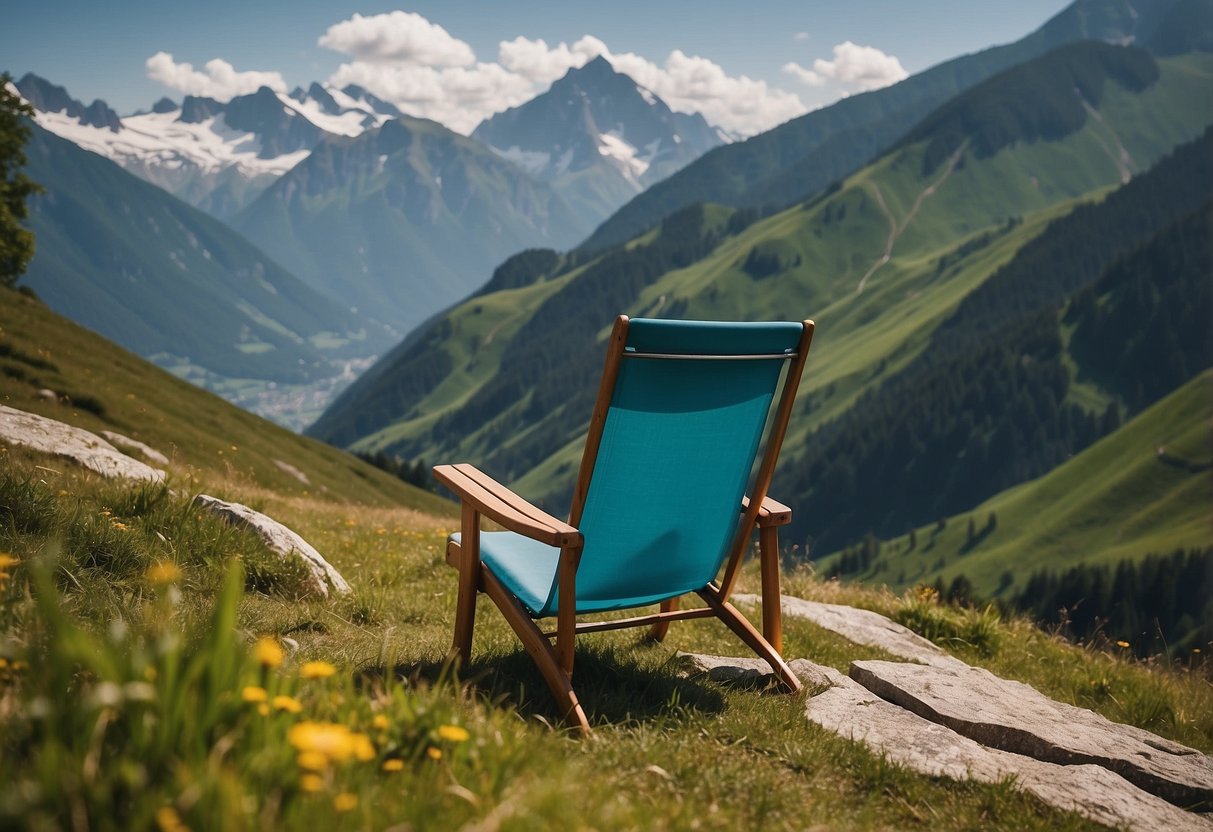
[
  {"x": 404, "y": 220},
  {"x": 165, "y": 280},
  {"x": 506, "y": 379},
  {"x": 803, "y": 156}
]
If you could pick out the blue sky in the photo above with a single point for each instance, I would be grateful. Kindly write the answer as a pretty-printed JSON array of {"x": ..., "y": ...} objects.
[{"x": 745, "y": 65}]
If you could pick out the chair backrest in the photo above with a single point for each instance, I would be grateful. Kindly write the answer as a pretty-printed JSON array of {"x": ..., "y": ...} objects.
[{"x": 671, "y": 451}]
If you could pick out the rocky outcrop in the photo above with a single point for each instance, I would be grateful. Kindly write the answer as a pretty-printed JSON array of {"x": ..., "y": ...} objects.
[
  {"x": 87, "y": 449},
  {"x": 1012, "y": 716},
  {"x": 849, "y": 709},
  {"x": 147, "y": 451},
  {"x": 864, "y": 627},
  {"x": 281, "y": 540}
]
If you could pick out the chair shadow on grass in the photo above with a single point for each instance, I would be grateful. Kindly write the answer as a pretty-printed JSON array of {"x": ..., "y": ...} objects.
[{"x": 615, "y": 685}]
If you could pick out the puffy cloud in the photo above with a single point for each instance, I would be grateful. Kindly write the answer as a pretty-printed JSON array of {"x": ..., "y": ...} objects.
[
  {"x": 535, "y": 61},
  {"x": 457, "y": 97},
  {"x": 421, "y": 68},
  {"x": 397, "y": 37},
  {"x": 804, "y": 76},
  {"x": 220, "y": 80},
  {"x": 864, "y": 67}
]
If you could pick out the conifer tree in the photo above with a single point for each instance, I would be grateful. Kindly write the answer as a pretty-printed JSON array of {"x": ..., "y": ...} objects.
[{"x": 16, "y": 242}]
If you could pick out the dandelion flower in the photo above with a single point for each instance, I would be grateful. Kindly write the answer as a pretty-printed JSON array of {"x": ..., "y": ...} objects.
[
  {"x": 268, "y": 652},
  {"x": 381, "y": 722},
  {"x": 433, "y": 753},
  {"x": 164, "y": 572},
  {"x": 7, "y": 561},
  {"x": 287, "y": 703},
  {"x": 345, "y": 802},
  {"x": 263, "y": 709},
  {"x": 394, "y": 764},
  {"x": 336, "y": 742},
  {"x": 316, "y": 670},
  {"x": 364, "y": 750},
  {"x": 453, "y": 733},
  {"x": 1124, "y": 645},
  {"x": 312, "y": 761},
  {"x": 253, "y": 693},
  {"x": 311, "y": 783}
]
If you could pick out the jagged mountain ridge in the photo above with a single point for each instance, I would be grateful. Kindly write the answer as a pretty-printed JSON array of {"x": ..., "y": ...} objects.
[
  {"x": 599, "y": 137},
  {"x": 216, "y": 156}
]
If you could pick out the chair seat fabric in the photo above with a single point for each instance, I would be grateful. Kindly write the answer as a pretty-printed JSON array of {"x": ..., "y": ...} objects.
[{"x": 528, "y": 570}]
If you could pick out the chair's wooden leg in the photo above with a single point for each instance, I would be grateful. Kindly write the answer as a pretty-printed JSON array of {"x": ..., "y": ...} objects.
[
  {"x": 753, "y": 639},
  {"x": 566, "y": 616},
  {"x": 657, "y": 631},
  {"x": 772, "y": 623},
  {"x": 540, "y": 650},
  {"x": 469, "y": 578}
]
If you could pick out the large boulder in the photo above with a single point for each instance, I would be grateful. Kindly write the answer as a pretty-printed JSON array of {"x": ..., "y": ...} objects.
[{"x": 63, "y": 440}]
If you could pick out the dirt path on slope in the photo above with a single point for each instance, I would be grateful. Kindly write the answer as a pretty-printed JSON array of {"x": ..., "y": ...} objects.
[{"x": 896, "y": 230}]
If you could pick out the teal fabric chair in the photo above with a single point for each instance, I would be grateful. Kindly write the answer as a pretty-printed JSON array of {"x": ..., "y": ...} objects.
[{"x": 666, "y": 498}]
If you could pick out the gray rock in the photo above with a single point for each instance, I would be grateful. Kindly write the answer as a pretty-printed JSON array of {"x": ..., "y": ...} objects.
[
  {"x": 53, "y": 437},
  {"x": 1016, "y": 717},
  {"x": 280, "y": 539},
  {"x": 135, "y": 445},
  {"x": 864, "y": 627}
]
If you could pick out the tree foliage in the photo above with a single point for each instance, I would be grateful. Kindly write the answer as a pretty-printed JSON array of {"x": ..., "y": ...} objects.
[{"x": 16, "y": 242}]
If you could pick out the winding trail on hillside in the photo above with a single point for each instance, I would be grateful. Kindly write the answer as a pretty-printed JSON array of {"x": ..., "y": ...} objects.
[{"x": 895, "y": 229}]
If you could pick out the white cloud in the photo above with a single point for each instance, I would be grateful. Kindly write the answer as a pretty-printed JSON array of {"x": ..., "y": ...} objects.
[
  {"x": 804, "y": 76},
  {"x": 863, "y": 67},
  {"x": 397, "y": 37},
  {"x": 421, "y": 68},
  {"x": 457, "y": 97},
  {"x": 220, "y": 81},
  {"x": 800, "y": 36},
  {"x": 536, "y": 62}
]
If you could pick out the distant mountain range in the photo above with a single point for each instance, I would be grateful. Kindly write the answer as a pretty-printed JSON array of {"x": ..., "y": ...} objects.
[
  {"x": 599, "y": 138},
  {"x": 172, "y": 283},
  {"x": 216, "y": 156}
]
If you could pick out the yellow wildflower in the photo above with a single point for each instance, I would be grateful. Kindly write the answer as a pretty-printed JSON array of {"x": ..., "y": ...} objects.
[
  {"x": 381, "y": 722},
  {"x": 263, "y": 709},
  {"x": 169, "y": 821},
  {"x": 336, "y": 742},
  {"x": 394, "y": 764},
  {"x": 312, "y": 761},
  {"x": 253, "y": 693},
  {"x": 164, "y": 572},
  {"x": 453, "y": 733},
  {"x": 1124, "y": 645},
  {"x": 268, "y": 652},
  {"x": 434, "y": 753},
  {"x": 287, "y": 703},
  {"x": 316, "y": 670},
  {"x": 345, "y": 802},
  {"x": 7, "y": 560},
  {"x": 3, "y": 663},
  {"x": 311, "y": 783},
  {"x": 20, "y": 665}
]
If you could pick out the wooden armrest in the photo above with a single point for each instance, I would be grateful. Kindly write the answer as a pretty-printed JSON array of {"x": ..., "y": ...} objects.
[
  {"x": 770, "y": 513},
  {"x": 499, "y": 504}
]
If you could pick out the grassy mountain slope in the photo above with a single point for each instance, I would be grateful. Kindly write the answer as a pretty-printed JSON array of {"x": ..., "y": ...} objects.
[
  {"x": 128, "y": 598},
  {"x": 1143, "y": 489},
  {"x": 803, "y": 156},
  {"x": 403, "y": 220},
  {"x": 208, "y": 441},
  {"x": 136, "y": 264},
  {"x": 506, "y": 379}
]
